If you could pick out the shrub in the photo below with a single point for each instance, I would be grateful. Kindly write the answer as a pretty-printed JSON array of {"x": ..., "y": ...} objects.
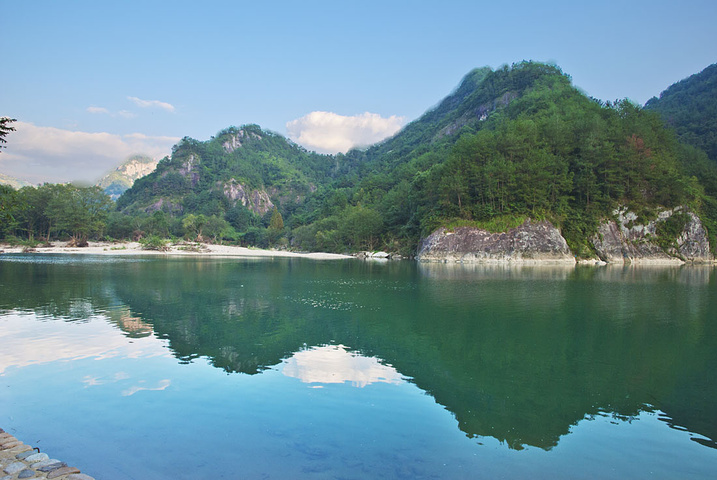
[{"x": 154, "y": 242}]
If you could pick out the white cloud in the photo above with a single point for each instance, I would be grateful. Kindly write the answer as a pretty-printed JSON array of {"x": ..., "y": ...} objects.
[
  {"x": 152, "y": 103},
  {"x": 48, "y": 154},
  {"x": 96, "y": 110},
  {"x": 328, "y": 132},
  {"x": 103, "y": 111},
  {"x": 126, "y": 114}
]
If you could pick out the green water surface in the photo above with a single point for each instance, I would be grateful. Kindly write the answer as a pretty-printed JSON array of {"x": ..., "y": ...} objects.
[{"x": 149, "y": 368}]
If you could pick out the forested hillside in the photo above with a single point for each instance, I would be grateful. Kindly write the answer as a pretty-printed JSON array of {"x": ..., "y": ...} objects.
[
  {"x": 515, "y": 143},
  {"x": 690, "y": 107}
]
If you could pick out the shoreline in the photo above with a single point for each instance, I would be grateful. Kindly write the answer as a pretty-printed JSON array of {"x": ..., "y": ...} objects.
[
  {"x": 181, "y": 249},
  {"x": 193, "y": 249},
  {"x": 19, "y": 460}
]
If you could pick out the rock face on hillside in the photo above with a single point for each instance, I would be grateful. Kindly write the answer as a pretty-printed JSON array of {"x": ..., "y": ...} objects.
[
  {"x": 625, "y": 241},
  {"x": 236, "y": 140},
  {"x": 532, "y": 242},
  {"x": 621, "y": 241},
  {"x": 123, "y": 177},
  {"x": 257, "y": 201}
]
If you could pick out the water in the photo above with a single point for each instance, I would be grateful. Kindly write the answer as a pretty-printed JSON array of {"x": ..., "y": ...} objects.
[{"x": 153, "y": 368}]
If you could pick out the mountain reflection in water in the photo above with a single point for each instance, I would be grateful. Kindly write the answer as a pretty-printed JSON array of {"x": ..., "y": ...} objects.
[{"x": 518, "y": 354}]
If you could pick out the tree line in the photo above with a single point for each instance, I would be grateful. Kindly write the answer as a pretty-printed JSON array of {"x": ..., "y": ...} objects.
[{"x": 49, "y": 212}]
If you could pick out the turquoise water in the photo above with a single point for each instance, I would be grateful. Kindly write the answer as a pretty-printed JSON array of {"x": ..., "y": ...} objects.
[{"x": 152, "y": 368}]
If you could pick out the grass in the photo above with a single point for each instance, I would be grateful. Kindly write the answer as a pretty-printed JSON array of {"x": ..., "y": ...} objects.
[{"x": 498, "y": 224}]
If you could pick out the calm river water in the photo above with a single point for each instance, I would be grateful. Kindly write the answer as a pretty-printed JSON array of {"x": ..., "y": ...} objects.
[{"x": 176, "y": 368}]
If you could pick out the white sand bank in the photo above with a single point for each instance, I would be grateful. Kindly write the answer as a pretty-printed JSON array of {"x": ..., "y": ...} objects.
[{"x": 189, "y": 249}]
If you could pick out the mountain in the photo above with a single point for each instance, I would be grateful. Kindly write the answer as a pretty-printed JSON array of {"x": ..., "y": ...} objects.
[
  {"x": 516, "y": 143},
  {"x": 13, "y": 182},
  {"x": 507, "y": 145},
  {"x": 241, "y": 171},
  {"x": 480, "y": 93},
  {"x": 123, "y": 177},
  {"x": 690, "y": 107}
]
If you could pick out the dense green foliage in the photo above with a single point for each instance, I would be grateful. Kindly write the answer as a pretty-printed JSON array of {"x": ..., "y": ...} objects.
[
  {"x": 690, "y": 107},
  {"x": 195, "y": 177},
  {"x": 54, "y": 211},
  {"x": 519, "y": 142}
]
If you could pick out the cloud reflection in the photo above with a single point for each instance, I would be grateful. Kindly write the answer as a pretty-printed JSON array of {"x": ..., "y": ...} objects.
[
  {"x": 335, "y": 364},
  {"x": 39, "y": 342},
  {"x": 162, "y": 385}
]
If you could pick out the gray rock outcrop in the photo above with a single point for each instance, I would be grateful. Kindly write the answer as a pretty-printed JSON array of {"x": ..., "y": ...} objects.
[
  {"x": 532, "y": 242},
  {"x": 257, "y": 201},
  {"x": 625, "y": 241}
]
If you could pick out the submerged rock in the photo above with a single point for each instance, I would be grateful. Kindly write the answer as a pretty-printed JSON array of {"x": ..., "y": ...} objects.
[{"x": 531, "y": 242}]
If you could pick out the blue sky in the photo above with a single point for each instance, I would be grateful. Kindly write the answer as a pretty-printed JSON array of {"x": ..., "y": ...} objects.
[{"x": 93, "y": 82}]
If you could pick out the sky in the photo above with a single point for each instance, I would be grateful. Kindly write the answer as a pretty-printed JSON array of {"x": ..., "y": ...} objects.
[{"x": 91, "y": 83}]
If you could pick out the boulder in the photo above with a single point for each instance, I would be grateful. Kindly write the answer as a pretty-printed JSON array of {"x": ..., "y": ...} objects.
[
  {"x": 531, "y": 242},
  {"x": 625, "y": 241}
]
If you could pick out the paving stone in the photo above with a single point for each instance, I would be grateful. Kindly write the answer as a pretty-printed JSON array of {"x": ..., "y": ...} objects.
[
  {"x": 15, "y": 456},
  {"x": 20, "y": 448},
  {"x": 25, "y": 454},
  {"x": 44, "y": 463},
  {"x": 52, "y": 466},
  {"x": 14, "y": 467},
  {"x": 63, "y": 471},
  {"x": 37, "y": 457}
]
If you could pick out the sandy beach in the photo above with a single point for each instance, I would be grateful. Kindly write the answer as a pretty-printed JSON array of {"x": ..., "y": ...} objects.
[{"x": 186, "y": 249}]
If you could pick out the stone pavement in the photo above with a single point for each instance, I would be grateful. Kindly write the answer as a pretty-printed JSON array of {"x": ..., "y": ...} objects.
[{"x": 18, "y": 461}]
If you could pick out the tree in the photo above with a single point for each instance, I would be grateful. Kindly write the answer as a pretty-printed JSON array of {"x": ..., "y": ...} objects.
[
  {"x": 276, "y": 226},
  {"x": 194, "y": 224},
  {"x": 79, "y": 212},
  {"x": 215, "y": 227},
  {"x": 361, "y": 227},
  {"x": 8, "y": 203},
  {"x": 5, "y": 128},
  {"x": 277, "y": 221}
]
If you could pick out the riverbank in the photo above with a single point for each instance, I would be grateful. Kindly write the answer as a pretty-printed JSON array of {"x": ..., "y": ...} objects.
[
  {"x": 188, "y": 249},
  {"x": 19, "y": 461}
]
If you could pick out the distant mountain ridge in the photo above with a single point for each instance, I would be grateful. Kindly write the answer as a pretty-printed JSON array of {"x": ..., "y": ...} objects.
[
  {"x": 13, "y": 182},
  {"x": 123, "y": 177}
]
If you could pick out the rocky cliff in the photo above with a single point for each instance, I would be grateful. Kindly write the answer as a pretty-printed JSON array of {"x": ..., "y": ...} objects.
[
  {"x": 532, "y": 242},
  {"x": 675, "y": 236},
  {"x": 257, "y": 201},
  {"x": 123, "y": 177}
]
